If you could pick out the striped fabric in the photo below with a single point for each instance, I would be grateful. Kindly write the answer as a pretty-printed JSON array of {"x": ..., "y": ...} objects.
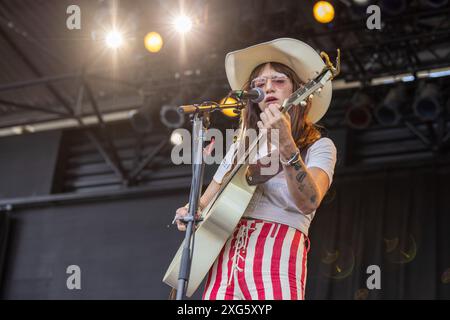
[{"x": 262, "y": 261}]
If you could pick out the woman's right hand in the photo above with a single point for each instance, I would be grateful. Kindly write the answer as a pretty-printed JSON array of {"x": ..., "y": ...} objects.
[
  {"x": 181, "y": 213},
  {"x": 207, "y": 196}
]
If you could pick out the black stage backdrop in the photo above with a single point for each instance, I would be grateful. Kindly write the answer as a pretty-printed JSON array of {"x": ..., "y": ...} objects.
[{"x": 397, "y": 219}]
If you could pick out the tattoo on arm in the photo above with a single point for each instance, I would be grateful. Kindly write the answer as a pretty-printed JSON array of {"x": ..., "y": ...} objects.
[{"x": 300, "y": 176}]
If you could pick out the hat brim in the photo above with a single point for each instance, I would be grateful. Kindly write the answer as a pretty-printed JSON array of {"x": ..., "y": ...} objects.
[{"x": 295, "y": 54}]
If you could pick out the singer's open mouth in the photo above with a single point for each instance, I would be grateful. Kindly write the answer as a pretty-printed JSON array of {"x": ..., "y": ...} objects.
[{"x": 270, "y": 99}]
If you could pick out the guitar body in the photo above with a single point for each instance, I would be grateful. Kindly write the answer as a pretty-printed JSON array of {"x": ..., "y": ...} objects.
[{"x": 221, "y": 217}]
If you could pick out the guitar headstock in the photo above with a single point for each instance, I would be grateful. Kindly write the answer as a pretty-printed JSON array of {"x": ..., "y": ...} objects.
[{"x": 329, "y": 72}]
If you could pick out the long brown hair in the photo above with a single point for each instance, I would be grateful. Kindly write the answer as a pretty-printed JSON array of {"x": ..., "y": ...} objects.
[{"x": 304, "y": 132}]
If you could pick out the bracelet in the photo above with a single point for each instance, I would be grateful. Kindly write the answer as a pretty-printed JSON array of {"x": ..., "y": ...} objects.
[
  {"x": 295, "y": 158},
  {"x": 200, "y": 208}
]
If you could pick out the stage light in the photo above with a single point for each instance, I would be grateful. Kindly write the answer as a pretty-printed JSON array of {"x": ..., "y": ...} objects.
[
  {"x": 141, "y": 119},
  {"x": 408, "y": 78},
  {"x": 176, "y": 138},
  {"x": 390, "y": 110},
  {"x": 153, "y": 42},
  {"x": 183, "y": 24},
  {"x": 387, "y": 116},
  {"x": 114, "y": 39},
  {"x": 393, "y": 7},
  {"x": 170, "y": 117},
  {"x": 358, "y": 114},
  {"x": 28, "y": 128},
  {"x": 231, "y": 112},
  {"x": 428, "y": 104},
  {"x": 434, "y": 73},
  {"x": 358, "y": 8},
  {"x": 17, "y": 130},
  {"x": 361, "y": 2},
  {"x": 438, "y": 74},
  {"x": 323, "y": 11}
]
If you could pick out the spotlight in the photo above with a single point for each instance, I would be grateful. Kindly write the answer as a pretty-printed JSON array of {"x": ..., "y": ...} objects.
[
  {"x": 176, "y": 138},
  {"x": 17, "y": 130},
  {"x": 170, "y": 116},
  {"x": 141, "y": 119},
  {"x": 427, "y": 105},
  {"x": 438, "y": 74},
  {"x": 28, "y": 128},
  {"x": 323, "y": 11},
  {"x": 183, "y": 24},
  {"x": 114, "y": 39},
  {"x": 232, "y": 112},
  {"x": 358, "y": 8},
  {"x": 393, "y": 7},
  {"x": 23, "y": 129},
  {"x": 358, "y": 115},
  {"x": 153, "y": 42},
  {"x": 390, "y": 110}
]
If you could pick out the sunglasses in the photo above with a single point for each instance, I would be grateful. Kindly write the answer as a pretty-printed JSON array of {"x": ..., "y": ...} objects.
[{"x": 278, "y": 81}]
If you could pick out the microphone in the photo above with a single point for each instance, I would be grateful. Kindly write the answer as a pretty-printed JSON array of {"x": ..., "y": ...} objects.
[{"x": 255, "y": 95}]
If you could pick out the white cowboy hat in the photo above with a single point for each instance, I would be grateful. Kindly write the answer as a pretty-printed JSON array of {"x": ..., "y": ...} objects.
[{"x": 297, "y": 55}]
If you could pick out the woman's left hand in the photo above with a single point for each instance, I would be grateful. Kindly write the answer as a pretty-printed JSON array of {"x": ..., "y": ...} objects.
[{"x": 273, "y": 118}]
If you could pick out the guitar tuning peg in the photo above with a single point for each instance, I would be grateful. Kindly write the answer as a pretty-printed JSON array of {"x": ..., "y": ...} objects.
[
  {"x": 311, "y": 96},
  {"x": 303, "y": 103},
  {"x": 319, "y": 90}
]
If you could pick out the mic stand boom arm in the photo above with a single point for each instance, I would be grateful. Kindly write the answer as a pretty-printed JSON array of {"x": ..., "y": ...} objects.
[{"x": 210, "y": 106}]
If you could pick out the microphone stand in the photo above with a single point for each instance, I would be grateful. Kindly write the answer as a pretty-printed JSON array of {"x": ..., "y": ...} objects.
[{"x": 200, "y": 125}]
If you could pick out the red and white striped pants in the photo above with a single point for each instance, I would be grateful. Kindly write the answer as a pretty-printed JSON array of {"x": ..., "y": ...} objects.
[{"x": 261, "y": 261}]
